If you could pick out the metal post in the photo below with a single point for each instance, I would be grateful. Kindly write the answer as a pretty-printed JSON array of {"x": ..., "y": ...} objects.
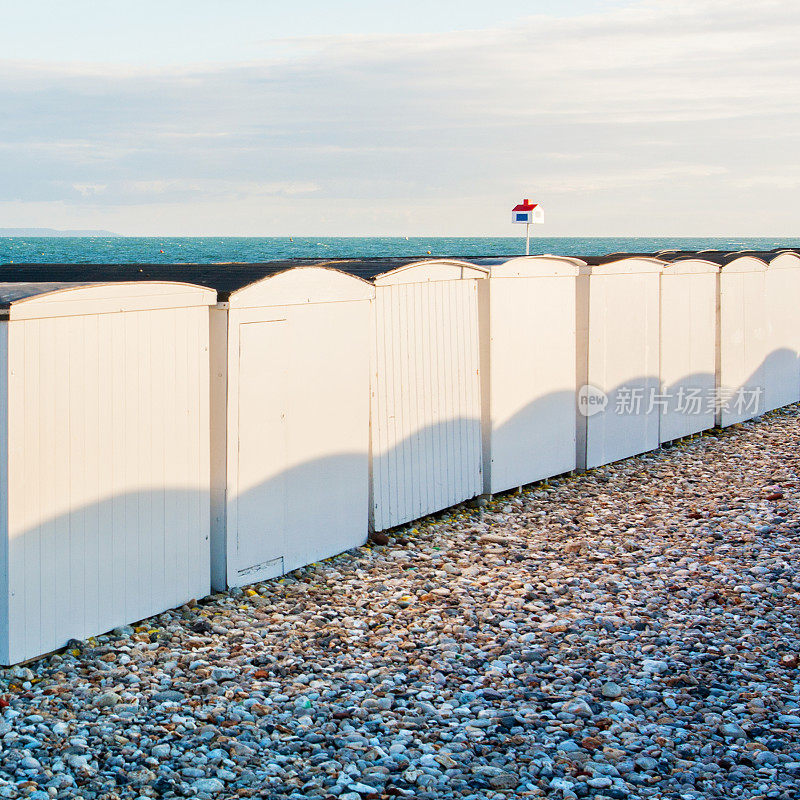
[{"x": 527, "y": 238}]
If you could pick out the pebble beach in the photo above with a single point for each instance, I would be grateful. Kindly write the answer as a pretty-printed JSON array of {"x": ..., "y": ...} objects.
[{"x": 630, "y": 632}]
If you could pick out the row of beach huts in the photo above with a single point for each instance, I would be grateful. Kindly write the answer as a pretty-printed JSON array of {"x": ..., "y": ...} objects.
[{"x": 166, "y": 430}]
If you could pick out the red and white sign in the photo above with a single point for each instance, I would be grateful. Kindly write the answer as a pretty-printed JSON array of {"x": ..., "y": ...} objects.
[{"x": 527, "y": 213}]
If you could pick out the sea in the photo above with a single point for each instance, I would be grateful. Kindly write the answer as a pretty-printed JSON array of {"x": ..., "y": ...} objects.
[{"x": 204, "y": 250}]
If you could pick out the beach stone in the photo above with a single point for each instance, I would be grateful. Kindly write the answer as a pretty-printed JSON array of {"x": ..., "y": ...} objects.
[
  {"x": 223, "y": 674},
  {"x": 578, "y": 707},
  {"x": 208, "y": 786},
  {"x": 504, "y": 780},
  {"x": 732, "y": 731},
  {"x": 168, "y": 696},
  {"x": 107, "y": 699},
  {"x": 611, "y": 690},
  {"x": 361, "y": 788}
]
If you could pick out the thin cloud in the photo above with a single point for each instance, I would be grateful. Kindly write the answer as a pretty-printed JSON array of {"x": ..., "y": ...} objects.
[
  {"x": 89, "y": 189},
  {"x": 624, "y": 179},
  {"x": 220, "y": 188}
]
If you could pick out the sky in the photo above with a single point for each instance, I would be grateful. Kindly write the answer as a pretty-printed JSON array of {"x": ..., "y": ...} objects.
[{"x": 370, "y": 117}]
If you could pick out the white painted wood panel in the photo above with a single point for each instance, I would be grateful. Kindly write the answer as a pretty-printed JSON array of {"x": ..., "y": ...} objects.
[
  {"x": 329, "y": 430},
  {"x": 298, "y": 444},
  {"x": 110, "y": 298},
  {"x": 426, "y": 408},
  {"x": 782, "y": 367},
  {"x": 431, "y": 270},
  {"x": 742, "y": 341},
  {"x": 262, "y": 453},
  {"x": 622, "y": 354},
  {"x": 302, "y": 286},
  {"x": 5, "y": 588},
  {"x": 107, "y": 470},
  {"x": 532, "y": 372},
  {"x": 688, "y": 348}
]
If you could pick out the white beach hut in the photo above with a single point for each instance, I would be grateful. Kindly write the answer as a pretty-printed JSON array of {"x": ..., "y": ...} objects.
[
  {"x": 617, "y": 360},
  {"x": 781, "y": 368},
  {"x": 742, "y": 339},
  {"x": 529, "y": 371},
  {"x": 688, "y": 348},
  {"x": 104, "y": 458},
  {"x": 426, "y": 392},
  {"x": 290, "y": 420}
]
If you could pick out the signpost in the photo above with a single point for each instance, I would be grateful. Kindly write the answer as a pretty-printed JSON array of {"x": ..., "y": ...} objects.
[{"x": 527, "y": 213}]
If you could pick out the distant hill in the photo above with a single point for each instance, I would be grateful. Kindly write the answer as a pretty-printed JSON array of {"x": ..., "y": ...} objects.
[{"x": 51, "y": 232}]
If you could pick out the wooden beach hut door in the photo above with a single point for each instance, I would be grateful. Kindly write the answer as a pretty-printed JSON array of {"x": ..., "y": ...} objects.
[
  {"x": 742, "y": 340},
  {"x": 782, "y": 362},
  {"x": 262, "y": 460},
  {"x": 426, "y": 416},
  {"x": 293, "y": 390},
  {"x": 617, "y": 299}
]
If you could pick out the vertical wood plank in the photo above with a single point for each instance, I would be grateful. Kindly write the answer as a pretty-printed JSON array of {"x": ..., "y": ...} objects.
[
  {"x": 428, "y": 333},
  {"x": 6, "y": 587},
  {"x": 104, "y": 492}
]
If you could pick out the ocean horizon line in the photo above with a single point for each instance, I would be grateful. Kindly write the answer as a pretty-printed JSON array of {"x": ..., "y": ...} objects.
[{"x": 215, "y": 249}]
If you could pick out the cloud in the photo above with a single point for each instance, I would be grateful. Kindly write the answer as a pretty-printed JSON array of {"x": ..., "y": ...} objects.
[
  {"x": 599, "y": 113},
  {"x": 88, "y": 189},
  {"x": 652, "y": 176},
  {"x": 219, "y": 188},
  {"x": 790, "y": 179}
]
